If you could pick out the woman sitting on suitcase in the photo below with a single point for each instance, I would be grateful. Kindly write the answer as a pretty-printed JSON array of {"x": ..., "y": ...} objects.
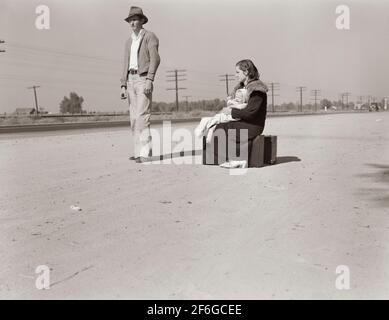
[{"x": 251, "y": 118}]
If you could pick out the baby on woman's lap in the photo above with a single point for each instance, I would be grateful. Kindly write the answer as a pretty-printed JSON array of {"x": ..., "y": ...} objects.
[{"x": 208, "y": 124}]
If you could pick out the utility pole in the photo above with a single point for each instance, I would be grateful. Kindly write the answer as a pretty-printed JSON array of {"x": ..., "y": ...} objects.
[
  {"x": 1, "y": 42},
  {"x": 273, "y": 86},
  {"x": 301, "y": 89},
  {"x": 315, "y": 93},
  {"x": 346, "y": 94},
  {"x": 175, "y": 74},
  {"x": 36, "y": 99},
  {"x": 369, "y": 101},
  {"x": 187, "y": 103},
  {"x": 227, "y": 78},
  {"x": 340, "y": 97},
  {"x": 359, "y": 101}
]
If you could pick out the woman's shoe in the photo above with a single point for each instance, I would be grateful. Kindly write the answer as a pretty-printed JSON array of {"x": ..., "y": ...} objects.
[
  {"x": 234, "y": 164},
  {"x": 240, "y": 164}
]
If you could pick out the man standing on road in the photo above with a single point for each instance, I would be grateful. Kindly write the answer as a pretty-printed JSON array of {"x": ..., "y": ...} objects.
[{"x": 141, "y": 61}]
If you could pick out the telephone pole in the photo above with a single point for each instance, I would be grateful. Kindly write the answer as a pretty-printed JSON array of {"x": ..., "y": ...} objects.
[
  {"x": 227, "y": 78},
  {"x": 369, "y": 100},
  {"x": 340, "y": 98},
  {"x": 346, "y": 94},
  {"x": 360, "y": 101},
  {"x": 36, "y": 99},
  {"x": 187, "y": 103},
  {"x": 273, "y": 86},
  {"x": 315, "y": 93},
  {"x": 301, "y": 89},
  {"x": 176, "y": 74},
  {"x": 1, "y": 42}
]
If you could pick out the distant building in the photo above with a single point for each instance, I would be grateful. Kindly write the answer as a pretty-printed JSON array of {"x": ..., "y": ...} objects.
[
  {"x": 29, "y": 111},
  {"x": 24, "y": 111}
]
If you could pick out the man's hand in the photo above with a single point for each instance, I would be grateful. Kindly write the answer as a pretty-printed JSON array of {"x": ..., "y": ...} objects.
[
  {"x": 148, "y": 86},
  {"x": 123, "y": 94}
]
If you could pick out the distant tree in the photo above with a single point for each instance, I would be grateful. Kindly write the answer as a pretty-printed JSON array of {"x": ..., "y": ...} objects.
[
  {"x": 325, "y": 103},
  {"x": 210, "y": 105},
  {"x": 73, "y": 104}
]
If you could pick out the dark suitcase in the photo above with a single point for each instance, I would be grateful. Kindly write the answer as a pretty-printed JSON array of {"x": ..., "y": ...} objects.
[
  {"x": 262, "y": 151},
  {"x": 220, "y": 148},
  {"x": 270, "y": 150},
  {"x": 257, "y": 152}
]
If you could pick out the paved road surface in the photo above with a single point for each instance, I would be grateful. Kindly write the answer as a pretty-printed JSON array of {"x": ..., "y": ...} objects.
[{"x": 196, "y": 232}]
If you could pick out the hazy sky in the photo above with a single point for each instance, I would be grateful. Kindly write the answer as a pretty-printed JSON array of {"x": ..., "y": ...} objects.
[{"x": 293, "y": 42}]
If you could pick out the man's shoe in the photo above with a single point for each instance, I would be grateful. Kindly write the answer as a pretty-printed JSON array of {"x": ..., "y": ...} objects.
[
  {"x": 133, "y": 158},
  {"x": 142, "y": 159}
]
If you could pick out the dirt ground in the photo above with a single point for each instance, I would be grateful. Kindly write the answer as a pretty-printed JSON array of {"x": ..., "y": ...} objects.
[{"x": 169, "y": 231}]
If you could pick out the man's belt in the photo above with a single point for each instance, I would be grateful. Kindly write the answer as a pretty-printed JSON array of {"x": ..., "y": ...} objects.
[{"x": 132, "y": 71}]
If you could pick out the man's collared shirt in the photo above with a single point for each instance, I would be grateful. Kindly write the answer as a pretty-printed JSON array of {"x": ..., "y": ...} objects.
[{"x": 134, "y": 49}]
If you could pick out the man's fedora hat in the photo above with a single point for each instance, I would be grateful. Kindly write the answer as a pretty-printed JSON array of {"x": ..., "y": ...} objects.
[{"x": 136, "y": 11}]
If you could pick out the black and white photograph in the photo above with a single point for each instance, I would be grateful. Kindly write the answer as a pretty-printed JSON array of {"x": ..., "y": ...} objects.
[{"x": 194, "y": 150}]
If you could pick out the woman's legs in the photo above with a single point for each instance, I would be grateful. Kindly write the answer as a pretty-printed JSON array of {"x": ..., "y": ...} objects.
[{"x": 199, "y": 131}]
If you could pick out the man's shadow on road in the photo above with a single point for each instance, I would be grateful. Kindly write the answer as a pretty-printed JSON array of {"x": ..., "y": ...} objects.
[
  {"x": 280, "y": 160},
  {"x": 176, "y": 155}
]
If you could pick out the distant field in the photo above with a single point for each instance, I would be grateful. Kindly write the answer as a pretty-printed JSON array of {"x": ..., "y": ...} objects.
[
  {"x": 14, "y": 120},
  {"x": 20, "y": 120}
]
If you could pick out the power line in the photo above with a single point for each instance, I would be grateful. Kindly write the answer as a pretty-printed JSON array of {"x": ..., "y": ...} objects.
[
  {"x": 206, "y": 83},
  {"x": 38, "y": 50},
  {"x": 175, "y": 74},
  {"x": 57, "y": 80},
  {"x": 57, "y": 68},
  {"x": 273, "y": 86},
  {"x": 87, "y": 61},
  {"x": 186, "y": 99},
  {"x": 83, "y": 70},
  {"x": 345, "y": 94},
  {"x": 301, "y": 89},
  {"x": 369, "y": 97},
  {"x": 226, "y": 78},
  {"x": 316, "y": 93},
  {"x": 36, "y": 98},
  {"x": 58, "y": 52},
  {"x": 64, "y": 54}
]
